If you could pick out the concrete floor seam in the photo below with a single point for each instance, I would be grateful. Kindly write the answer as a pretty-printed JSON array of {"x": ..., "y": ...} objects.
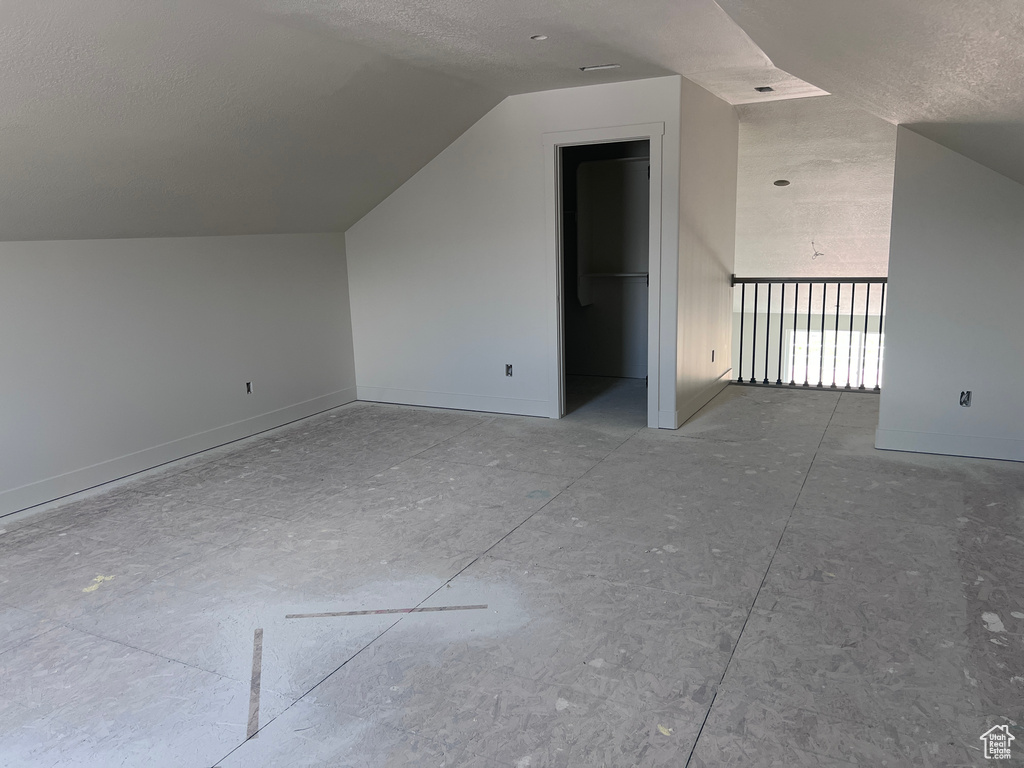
[
  {"x": 399, "y": 620},
  {"x": 764, "y": 578}
]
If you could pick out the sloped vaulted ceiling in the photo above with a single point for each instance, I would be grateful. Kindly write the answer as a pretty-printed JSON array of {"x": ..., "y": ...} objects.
[
  {"x": 123, "y": 118},
  {"x": 142, "y": 118},
  {"x": 950, "y": 70},
  {"x": 127, "y": 118}
]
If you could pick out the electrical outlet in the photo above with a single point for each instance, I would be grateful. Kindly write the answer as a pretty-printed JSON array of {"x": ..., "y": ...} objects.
[
  {"x": 248, "y": 387},
  {"x": 965, "y": 398},
  {"x": 508, "y": 369}
]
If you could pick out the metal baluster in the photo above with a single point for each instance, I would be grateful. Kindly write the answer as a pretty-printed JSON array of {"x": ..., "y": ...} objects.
[
  {"x": 849, "y": 350},
  {"x": 782, "y": 327},
  {"x": 835, "y": 342},
  {"x": 743, "y": 314},
  {"x": 821, "y": 363},
  {"x": 807, "y": 343},
  {"x": 767, "y": 332},
  {"x": 753, "y": 341},
  {"x": 852, "y": 370},
  {"x": 878, "y": 367},
  {"x": 792, "y": 367},
  {"x": 864, "y": 344}
]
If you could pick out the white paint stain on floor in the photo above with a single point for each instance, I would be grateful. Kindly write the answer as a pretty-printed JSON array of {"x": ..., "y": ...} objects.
[
  {"x": 96, "y": 583},
  {"x": 992, "y": 622}
]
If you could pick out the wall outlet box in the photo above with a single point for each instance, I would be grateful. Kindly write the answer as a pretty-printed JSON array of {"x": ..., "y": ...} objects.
[
  {"x": 508, "y": 369},
  {"x": 965, "y": 398}
]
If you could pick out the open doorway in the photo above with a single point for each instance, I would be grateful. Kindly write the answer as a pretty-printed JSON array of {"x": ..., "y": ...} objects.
[{"x": 605, "y": 247}]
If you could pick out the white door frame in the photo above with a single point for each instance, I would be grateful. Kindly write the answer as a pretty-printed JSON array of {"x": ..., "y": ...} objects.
[{"x": 553, "y": 142}]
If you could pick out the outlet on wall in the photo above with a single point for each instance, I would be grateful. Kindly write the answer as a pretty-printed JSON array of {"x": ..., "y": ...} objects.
[
  {"x": 248, "y": 387},
  {"x": 508, "y": 369},
  {"x": 965, "y": 398}
]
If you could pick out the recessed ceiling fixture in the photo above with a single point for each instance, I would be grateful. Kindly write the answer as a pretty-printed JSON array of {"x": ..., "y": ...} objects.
[
  {"x": 596, "y": 67},
  {"x": 781, "y": 182},
  {"x": 764, "y": 89},
  {"x": 538, "y": 38}
]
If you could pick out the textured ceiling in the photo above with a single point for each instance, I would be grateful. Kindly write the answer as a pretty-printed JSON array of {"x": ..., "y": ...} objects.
[
  {"x": 839, "y": 161},
  {"x": 183, "y": 117},
  {"x": 950, "y": 70},
  {"x": 132, "y": 118},
  {"x": 488, "y": 41}
]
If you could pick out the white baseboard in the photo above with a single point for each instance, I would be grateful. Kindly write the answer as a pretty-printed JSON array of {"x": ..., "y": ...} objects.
[
  {"x": 950, "y": 445},
  {"x": 59, "y": 486},
  {"x": 668, "y": 419},
  {"x": 459, "y": 402},
  {"x": 694, "y": 403}
]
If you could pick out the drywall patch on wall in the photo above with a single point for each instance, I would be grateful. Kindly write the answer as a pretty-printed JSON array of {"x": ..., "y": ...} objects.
[
  {"x": 839, "y": 161},
  {"x": 123, "y": 354},
  {"x": 954, "y": 312}
]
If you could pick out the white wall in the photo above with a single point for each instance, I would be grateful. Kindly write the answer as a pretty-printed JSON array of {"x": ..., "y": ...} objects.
[
  {"x": 709, "y": 138},
  {"x": 450, "y": 275},
  {"x": 955, "y": 311},
  {"x": 119, "y": 355}
]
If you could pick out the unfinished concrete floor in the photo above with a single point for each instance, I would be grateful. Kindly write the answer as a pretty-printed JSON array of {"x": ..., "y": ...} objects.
[{"x": 759, "y": 588}]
